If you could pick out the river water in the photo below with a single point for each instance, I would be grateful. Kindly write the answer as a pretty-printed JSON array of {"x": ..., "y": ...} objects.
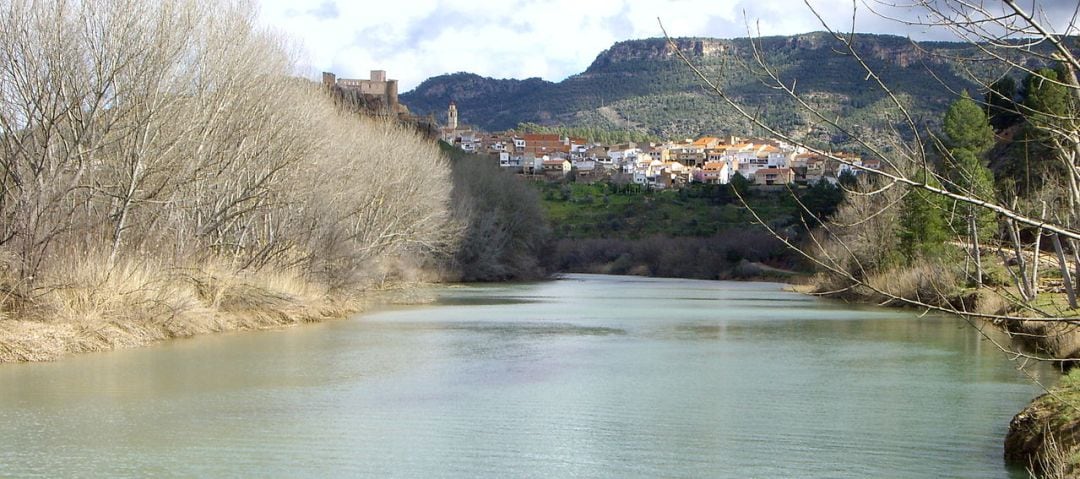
[{"x": 589, "y": 376}]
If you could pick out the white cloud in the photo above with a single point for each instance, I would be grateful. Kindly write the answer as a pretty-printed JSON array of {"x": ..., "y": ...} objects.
[{"x": 416, "y": 39}]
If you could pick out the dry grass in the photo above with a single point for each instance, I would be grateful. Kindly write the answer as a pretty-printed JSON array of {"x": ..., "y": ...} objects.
[
  {"x": 924, "y": 281},
  {"x": 90, "y": 307},
  {"x": 992, "y": 302},
  {"x": 1057, "y": 461}
]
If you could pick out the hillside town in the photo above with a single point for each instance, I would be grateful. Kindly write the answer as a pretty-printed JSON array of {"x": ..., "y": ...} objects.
[
  {"x": 672, "y": 164},
  {"x": 762, "y": 162}
]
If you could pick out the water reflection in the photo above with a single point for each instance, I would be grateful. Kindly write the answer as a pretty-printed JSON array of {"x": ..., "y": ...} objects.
[{"x": 590, "y": 376}]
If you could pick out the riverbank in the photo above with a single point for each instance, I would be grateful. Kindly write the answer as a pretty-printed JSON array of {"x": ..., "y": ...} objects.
[
  {"x": 1044, "y": 436},
  {"x": 133, "y": 305}
]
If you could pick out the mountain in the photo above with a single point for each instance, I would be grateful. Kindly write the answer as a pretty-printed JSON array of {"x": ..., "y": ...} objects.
[{"x": 643, "y": 85}]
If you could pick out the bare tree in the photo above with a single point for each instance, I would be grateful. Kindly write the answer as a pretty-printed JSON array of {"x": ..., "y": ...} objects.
[{"x": 178, "y": 130}]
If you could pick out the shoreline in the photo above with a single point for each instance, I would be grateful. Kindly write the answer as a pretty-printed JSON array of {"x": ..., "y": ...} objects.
[
  {"x": 117, "y": 314},
  {"x": 24, "y": 341},
  {"x": 251, "y": 306}
]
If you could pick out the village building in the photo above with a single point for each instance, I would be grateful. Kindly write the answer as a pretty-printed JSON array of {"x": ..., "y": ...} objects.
[
  {"x": 543, "y": 144},
  {"x": 715, "y": 173},
  {"x": 709, "y": 160},
  {"x": 556, "y": 167},
  {"x": 774, "y": 176}
]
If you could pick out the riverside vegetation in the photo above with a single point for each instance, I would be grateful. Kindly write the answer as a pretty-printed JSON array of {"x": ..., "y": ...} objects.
[
  {"x": 165, "y": 174},
  {"x": 977, "y": 217},
  {"x": 699, "y": 231}
]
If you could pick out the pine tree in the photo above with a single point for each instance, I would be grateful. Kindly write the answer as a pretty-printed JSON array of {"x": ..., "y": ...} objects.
[
  {"x": 820, "y": 202},
  {"x": 966, "y": 126},
  {"x": 1045, "y": 99},
  {"x": 1001, "y": 108},
  {"x": 1047, "y": 110},
  {"x": 923, "y": 228},
  {"x": 968, "y": 136}
]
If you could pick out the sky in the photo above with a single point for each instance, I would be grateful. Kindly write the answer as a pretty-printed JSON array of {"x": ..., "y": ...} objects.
[{"x": 416, "y": 39}]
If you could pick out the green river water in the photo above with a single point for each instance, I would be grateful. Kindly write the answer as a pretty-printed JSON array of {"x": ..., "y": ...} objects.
[{"x": 588, "y": 376}]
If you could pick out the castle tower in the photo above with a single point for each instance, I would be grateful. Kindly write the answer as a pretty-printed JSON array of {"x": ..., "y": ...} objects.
[
  {"x": 329, "y": 79},
  {"x": 451, "y": 116},
  {"x": 391, "y": 95}
]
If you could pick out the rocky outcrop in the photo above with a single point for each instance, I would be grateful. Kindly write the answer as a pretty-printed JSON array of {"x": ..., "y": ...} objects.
[{"x": 658, "y": 49}]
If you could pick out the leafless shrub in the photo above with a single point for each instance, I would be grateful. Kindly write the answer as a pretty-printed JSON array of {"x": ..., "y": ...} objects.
[
  {"x": 143, "y": 141},
  {"x": 503, "y": 230}
]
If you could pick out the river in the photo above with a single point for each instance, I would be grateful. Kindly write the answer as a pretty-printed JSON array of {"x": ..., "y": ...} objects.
[{"x": 588, "y": 376}]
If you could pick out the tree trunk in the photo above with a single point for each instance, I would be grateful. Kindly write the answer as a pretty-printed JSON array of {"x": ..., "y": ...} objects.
[
  {"x": 974, "y": 227},
  {"x": 1037, "y": 256},
  {"x": 1034, "y": 276},
  {"x": 1023, "y": 281},
  {"x": 1066, "y": 277}
]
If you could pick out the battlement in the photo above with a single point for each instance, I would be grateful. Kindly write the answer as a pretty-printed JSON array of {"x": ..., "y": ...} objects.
[{"x": 376, "y": 86}]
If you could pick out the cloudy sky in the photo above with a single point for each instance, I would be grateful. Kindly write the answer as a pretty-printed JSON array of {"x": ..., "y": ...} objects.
[{"x": 551, "y": 39}]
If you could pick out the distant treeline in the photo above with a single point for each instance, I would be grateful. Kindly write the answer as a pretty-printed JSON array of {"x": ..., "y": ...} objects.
[
  {"x": 730, "y": 254},
  {"x": 698, "y": 231}
]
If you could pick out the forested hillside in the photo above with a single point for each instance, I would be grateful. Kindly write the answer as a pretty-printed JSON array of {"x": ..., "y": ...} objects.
[{"x": 642, "y": 85}]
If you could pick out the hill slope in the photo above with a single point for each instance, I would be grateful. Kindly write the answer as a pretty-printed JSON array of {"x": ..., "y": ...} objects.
[{"x": 642, "y": 84}]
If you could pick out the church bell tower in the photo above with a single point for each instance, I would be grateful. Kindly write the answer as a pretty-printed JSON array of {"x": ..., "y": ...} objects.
[{"x": 451, "y": 116}]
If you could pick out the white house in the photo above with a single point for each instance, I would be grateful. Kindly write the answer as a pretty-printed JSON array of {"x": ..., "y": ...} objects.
[{"x": 716, "y": 172}]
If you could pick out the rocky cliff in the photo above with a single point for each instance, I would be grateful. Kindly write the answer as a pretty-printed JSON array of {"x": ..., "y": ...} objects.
[{"x": 642, "y": 83}]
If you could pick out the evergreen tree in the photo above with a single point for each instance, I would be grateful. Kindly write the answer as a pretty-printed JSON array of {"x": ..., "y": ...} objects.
[
  {"x": 1045, "y": 100},
  {"x": 923, "y": 228},
  {"x": 1001, "y": 107},
  {"x": 820, "y": 201},
  {"x": 966, "y": 126},
  {"x": 968, "y": 136},
  {"x": 848, "y": 178},
  {"x": 1032, "y": 156},
  {"x": 970, "y": 177},
  {"x": 740, "y": 184}
]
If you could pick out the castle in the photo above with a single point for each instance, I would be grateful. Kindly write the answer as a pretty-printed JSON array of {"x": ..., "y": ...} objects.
[{"x": 380, "y": 93}]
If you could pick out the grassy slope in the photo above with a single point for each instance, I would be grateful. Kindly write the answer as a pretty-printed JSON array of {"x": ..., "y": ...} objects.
[
  {"x": 579, "y": 211},
  {"x": 698, "y": 232}
]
